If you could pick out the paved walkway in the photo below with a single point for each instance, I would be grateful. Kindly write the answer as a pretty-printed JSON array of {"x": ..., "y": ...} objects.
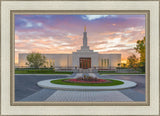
[{"x": 87, "y": 96}]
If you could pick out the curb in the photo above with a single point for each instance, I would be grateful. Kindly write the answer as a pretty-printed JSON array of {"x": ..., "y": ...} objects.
[{"x": 48, "y": 84}]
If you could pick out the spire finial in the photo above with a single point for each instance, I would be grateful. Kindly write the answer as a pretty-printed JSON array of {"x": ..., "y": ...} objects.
[{"x": 85, "y": 28}]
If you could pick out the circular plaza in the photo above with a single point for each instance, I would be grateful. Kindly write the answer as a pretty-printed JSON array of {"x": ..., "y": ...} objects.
[{"x": 62, "y": 85}]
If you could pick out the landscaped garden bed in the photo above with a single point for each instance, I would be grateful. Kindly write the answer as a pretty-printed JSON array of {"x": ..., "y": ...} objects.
[
  {"x": 108, "y": 82},
  {"x": 88, "y": 81}
]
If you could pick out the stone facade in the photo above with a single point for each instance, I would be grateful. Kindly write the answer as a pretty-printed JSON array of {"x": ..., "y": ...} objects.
[
  {"x": 73, "y": 60},
  {"x": 55, "y": 60}
]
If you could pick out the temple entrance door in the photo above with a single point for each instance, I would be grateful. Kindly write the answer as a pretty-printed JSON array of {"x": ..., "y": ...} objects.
[{"x": 85, "y": 63}]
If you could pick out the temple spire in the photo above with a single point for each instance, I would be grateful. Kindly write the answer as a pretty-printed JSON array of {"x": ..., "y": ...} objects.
[
  {"x": 84, "y": 28},
  {"x": 85, "y": 37}
]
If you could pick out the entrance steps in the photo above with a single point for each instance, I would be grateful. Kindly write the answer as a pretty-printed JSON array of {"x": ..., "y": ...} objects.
[{"x": 90, "y": 70}]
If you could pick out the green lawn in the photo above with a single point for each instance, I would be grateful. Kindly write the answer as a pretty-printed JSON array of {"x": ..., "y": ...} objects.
[
  {"x": 120, "y": 73},
  {"x": 62, "y": 82},
  {"x": 113, "y": 72},
  {"x": 51, "y": 71},
  {"x": 39, "y": 72}
]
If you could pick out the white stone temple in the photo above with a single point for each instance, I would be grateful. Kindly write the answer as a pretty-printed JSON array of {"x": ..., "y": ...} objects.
[{"x": 82, "y": 59}]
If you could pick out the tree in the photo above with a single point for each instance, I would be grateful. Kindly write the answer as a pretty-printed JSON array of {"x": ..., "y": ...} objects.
[
  {"x": 119, "y": 64},
  {"x": 35, "y": 60},
  {"x": 123, "y": 65},
  {"x": 132, "y": 61},
  {"x": 140, "y": 48}
]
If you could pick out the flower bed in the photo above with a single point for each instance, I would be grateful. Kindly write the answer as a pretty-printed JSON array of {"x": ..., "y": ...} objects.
[
  {"x": 108, "y": 82},
  {"x": 88, "y": 81}
]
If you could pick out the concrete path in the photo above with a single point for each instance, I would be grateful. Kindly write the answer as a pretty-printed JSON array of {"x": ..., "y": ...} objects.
[
  {"x": 136, "y": 96},
  {"x": 87, "y": 96},
  {"x": 40, "y": 95},
  {"x": 48, "y": 84}
]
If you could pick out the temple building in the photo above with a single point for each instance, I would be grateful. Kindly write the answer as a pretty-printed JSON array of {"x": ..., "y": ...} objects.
[{"x": 81, "y": 59}]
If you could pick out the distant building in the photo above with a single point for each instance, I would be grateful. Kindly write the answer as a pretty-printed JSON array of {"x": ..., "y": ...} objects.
[{"x": 82, "y": 59}]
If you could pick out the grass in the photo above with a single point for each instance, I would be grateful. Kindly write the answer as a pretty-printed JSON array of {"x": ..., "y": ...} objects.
[
  {"x": 113, "y": 72},
  {"x": 39, "y": 72},
  {"x": 51, "y": 71},
  {"x": 62, "y": 82}
]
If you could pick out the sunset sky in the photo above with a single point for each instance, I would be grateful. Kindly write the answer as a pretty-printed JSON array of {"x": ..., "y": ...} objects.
[{"x": 63, "y": 33}]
